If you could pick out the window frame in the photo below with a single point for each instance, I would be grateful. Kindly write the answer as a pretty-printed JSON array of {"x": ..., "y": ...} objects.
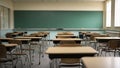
[
  {"x": 4, "y": 18},
  {"x": 117, "y": 14},
  {"x": 108, "y": 14}
]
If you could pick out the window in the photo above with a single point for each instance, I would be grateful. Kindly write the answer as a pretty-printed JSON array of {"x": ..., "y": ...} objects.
[
  {"x": 108, "y": 13},
  {"x": 4, "y": 18},
  {"x": 117, "y": 13}
]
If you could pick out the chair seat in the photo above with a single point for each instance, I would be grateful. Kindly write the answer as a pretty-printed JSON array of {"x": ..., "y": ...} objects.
[
  {"x": 73, "y": 65},
  {"x": 92, "y": 41},
  {"x": 9, "y": 59},
  {"x": 18, "y": 53},
  {"x": 28, "y": 49},
  {"x": 70, "y": 60}
]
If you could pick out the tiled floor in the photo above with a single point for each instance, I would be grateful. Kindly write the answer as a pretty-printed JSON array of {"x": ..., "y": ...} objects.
[{"x": 44, "y": 60}]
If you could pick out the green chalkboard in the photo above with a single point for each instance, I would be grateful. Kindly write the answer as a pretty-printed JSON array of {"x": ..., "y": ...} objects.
[{"x": 58, "y": 19}]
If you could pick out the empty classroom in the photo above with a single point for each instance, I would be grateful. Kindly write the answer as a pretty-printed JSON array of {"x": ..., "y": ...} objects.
[{"x": 59, "y": 34}]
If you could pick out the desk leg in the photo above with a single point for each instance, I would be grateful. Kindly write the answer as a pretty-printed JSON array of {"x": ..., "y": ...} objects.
[
  {"x": 42, "y": 47},
  {"x": 83, "y": 66},
  {"x": 96, "y": 47},
  {"x": 30, "y": 54},
  {"x": 40, "y": 51},
  {"x": 49, "y": 38},
  {"x": 56, "y": 63},
  {"x": 51, "y": 63}
]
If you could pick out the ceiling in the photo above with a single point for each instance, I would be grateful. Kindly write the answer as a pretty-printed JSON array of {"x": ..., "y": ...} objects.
[{"x": 54, "y": 0}]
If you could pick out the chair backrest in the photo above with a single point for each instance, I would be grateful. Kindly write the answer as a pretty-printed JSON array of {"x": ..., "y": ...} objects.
[
  {"x": 69, "y": 45},
  {"x": 67, "y": 42},
  {"x": 104, "y": 35},
  {"x": 0, "y": 42},
  {"x": 65, "y": 33},
  {"x": 69, "y": 60},
  {"x": 15, "y": 42},
  {"x": 93, "y": 35},
  {"x": 65, "y": 36},
  {"x": 8, "y": 35},
  {"x": 33, "y": 35},
  {"x": 113, "y": 44},
  {"x": 2, "y": 51}
]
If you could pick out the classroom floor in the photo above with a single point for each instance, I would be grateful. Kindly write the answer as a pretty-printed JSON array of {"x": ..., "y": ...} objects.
[{"x": 44, "y": 62}]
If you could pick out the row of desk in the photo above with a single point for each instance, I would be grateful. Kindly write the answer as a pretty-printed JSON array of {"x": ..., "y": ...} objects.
[
  {"x": 24, "y": 40},
  {"x": 86, "y": 53},
  {"x": 68, "y": 52}
]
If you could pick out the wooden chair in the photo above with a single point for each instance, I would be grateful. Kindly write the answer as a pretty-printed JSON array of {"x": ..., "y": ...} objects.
[
  {"x": 5, "y": 58},
  {"x": 9, "y": 35},
  {"x": 112, "y": 46},
  {"x": 67, "y": 42},
  {"x": 65, "y": 33},
  {"x": 20, "y": 51},
  {"x": 93, "y": 40},
  {"x": 69, "y": 62}
]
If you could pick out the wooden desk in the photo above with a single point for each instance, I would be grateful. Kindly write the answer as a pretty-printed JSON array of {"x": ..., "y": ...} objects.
[
  {"x": 70, "y": 52},
  {"x": 9, "y": 47},
  {"x": 106, "y": 39},
  {"x": 26, "y": 41},
  {"x": 65, "y": 33},
  {"x": 28, "y": 37},
  {"x": 5, "y": 39},
  {"x": 8, "y": 39},
  {"x": 101, "y": 62},
  {"x": 66, "y": 36},
  {"x": 32, "y": 38},
  {"x": 88, "y": 34},
  {"x": 57, "y": 40}
]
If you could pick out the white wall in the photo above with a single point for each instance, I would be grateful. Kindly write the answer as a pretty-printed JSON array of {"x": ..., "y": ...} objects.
[
  {"x": 72, "y": 6},
  {"x": 9, "y": 4}
]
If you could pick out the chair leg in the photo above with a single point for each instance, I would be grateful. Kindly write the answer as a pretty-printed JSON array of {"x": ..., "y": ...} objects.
[
  {"x": 114, "y": 53},
  {"x": 51, "y": 63},
  {"x": 28, "y": 62},
  {"x": 119, "y": 52},
  {"x": 21, "y": 63},
  {"x": 100, "y": 52},
  {"x": 16, "y": 63},
  {"x": 1, "y": 65},
  {"x": 80, "y": 64},
  {"x": 105, "y": 53}
]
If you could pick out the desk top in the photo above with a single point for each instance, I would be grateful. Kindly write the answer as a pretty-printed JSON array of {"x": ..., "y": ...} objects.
[
  {"x": 67, "y": 39},
  {"x": 6, "y": 38},
  {"x": 65, "y": 35},
  {"x": 71, "y": 50},
  {"x": 101, "y": 62},
  {"x": 10, "y": 45},
  {"x": 28, "y": 37},
  {"x": 107, "y": 38},
  {"x": 17, "y": 33},
  {"x": 23, "y": 39}
]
